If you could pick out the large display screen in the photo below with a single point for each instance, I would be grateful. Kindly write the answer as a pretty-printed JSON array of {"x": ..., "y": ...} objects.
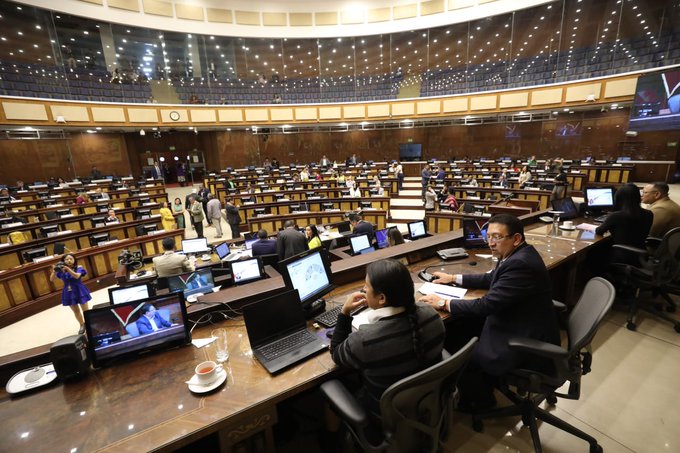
[{"x": 657, "y": 102}]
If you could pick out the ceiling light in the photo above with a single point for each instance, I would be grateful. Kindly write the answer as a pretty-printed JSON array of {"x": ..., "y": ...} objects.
[{"x": 142, "y": 133}]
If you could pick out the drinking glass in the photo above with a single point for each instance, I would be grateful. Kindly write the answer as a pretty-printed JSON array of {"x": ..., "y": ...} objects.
[{"x": 221, "y": 347}]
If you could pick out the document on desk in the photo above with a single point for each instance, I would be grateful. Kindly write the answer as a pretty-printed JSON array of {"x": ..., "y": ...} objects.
[
  {"x": 454, "y": 292},
  {"x": 586, "y": 226}
]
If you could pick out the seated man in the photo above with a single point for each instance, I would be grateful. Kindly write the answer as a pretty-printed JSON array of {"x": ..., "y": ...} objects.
[
  {"x": 112, "y": 217},
  {"x": 666, "y": 211},
  {"x": 360, "y": 226},
  {"x": 518, "y": 304},
  {"x": 264, "y": 246},
  {"x": 171, "y": 263},
  {"x": 150, "y": 320}
]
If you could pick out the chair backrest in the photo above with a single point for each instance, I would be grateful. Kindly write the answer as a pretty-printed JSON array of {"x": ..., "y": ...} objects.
[
  {"x": 667, "y": 257},
  {"x": 415, "y": 409},
  {"x": 594, "y": 303}
]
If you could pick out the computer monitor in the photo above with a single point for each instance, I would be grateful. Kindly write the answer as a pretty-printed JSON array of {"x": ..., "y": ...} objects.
[
  {"x": 4, "y": 200},
  {"x": 232, "y": 190},
  {"x": 119, "y": 295},
  {"x": 222, "y": 250},
  {"x": 473, "y": 234},
  {"x": 200, "y": 281},
  {"x": 344, "y": 193},
  {"x": 567, "y": 206},
  {"x": 382, "y": 237},
  {"x": 134, "y": 192},
  {"x": 33, "y": 254},
  {"x": 365, "y": 204},
  {"x": 95, "y": 196},
  {"x": 310, "y": 193},
  {"x": 599, "y": 198},
  {"x": 373, "y": 191},
  {"x": 98, "y": 221},
  {"x": 445, "y": 207},
  {"x": 143, "y": 201},
  {"x": 197, "y": 245},
  {"x": 359, "y": 243},
  {"x": 261, "y": 211},
  {"x": 4, "y": 221},
  {"x": 310, "y": 273},
  {"x": 96, "y": 239},
  {"x": 116, "y": 333},
  {"x": 62, "y": 212},
  {"x": 49, "y": 230},
  {"x": 417, "y": 230},
  {"x": 246, "y": 271},
  {"x": 279, "y": 196},
  {"x": 150, "y": 228},
  {"x": 249, "y": 243},
  {"x": 327, "y": 206},
  {"x": 102, "y": 208},
  {"x": 142, "y": 213}
]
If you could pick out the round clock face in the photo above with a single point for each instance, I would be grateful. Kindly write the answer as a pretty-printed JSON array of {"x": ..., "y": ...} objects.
[{"x": 174, "y": 116}]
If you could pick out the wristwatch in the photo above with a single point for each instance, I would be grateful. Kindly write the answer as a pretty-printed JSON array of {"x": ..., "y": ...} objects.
[{"x": 441, "y": 304}]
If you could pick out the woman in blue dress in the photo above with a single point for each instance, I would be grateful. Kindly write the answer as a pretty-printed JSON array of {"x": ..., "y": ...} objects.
[{"x": 75, "y": 294}]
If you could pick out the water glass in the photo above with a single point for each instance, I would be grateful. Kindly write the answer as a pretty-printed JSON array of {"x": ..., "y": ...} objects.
[{"x": 221, "y": 347}]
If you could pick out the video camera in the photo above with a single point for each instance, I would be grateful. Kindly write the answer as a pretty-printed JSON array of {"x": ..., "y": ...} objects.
[{"x": 133, "y": 260}]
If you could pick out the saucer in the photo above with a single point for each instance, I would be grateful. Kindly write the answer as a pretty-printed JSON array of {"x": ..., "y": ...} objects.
[
  {"x": 197, "y": 388},
  {"x": 571, "y": 228},
  {"x": 546, "y": 219}
]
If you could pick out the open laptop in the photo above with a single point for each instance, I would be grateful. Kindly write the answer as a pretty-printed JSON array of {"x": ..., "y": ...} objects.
[
  {"x": 360, "y": 244},
  {"x": 278, "y": 332},
  {"x": 567, "y": 206},
  {"x": 198, "y": 245}
]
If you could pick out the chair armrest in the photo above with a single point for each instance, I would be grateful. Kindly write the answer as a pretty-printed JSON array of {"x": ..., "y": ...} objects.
[
  {"x": 559, "y": 306},
  {"x": 652, "y": 241},
  {"x": 539, "y": 348},
  {"x": 344, "y": 403},
  {"x": 628, "y": 248}
]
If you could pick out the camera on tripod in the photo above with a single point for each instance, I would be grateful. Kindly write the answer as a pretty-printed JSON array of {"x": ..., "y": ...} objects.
[{"x": 133, "y": 260}]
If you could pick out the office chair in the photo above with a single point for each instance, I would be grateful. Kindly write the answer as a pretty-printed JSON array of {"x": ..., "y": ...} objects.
[
  {"x": 532, "y": 387},
  {"x": 658, "y": 272},
  {"x": 415, "y": 411}
]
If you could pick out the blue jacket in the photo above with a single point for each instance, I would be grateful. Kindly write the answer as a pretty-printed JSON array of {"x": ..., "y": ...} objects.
[
  {"x": 144, "y": 325},
  {"x": 264, "y": 247}
]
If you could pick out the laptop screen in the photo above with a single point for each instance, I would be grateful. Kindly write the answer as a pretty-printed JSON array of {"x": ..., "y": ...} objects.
[
  {"x": 250, "y": 242},
  {"x": 272, "y": 317},
  {"x": 190, "y": 283},
  {"x": 417, "y": 230},
  {"x": 474, "y": 236},
  {"x": 308, "y": 272},
  {"x": 359, "y": 243},
  {"x": 567, "y": 206},
  {"x": 129, "y": 293},
  {"x": 381, "y": 238},
  {"x": 198, "y": 245},
  {"x": 246, "y": 270},
  {"x": 222, "y": 250},
  {"x": 129, "y": 329}
]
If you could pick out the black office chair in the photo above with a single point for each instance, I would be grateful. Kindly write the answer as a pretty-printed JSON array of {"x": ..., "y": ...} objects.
[
  {"x": 415, "y": 411},
  {"x": 658, "y": 272},
  {"x": 271, "y": 260},
  {"x": 533, "y": 387}
]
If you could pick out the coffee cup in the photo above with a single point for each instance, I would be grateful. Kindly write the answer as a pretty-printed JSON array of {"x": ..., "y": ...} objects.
[
  {"x": 568, "y": 224},
  {"x": 206, "y": 372}
]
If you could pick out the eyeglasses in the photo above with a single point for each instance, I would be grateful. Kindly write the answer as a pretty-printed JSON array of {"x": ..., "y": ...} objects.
[{"x": 497, "y": 237}]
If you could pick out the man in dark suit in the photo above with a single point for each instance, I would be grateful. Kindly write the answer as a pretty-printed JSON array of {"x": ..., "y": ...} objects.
[
  {"x": 518, "y": 303},
  {"x": 150, "y": 320},
  {"x": 360, "y": 226},
  {"x": 290, "y": 241},
  {"x": 264, "y": 246}
]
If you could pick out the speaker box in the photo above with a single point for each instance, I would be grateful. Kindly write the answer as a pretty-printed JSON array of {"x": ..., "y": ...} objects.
[{"x": 69, "y": 357}]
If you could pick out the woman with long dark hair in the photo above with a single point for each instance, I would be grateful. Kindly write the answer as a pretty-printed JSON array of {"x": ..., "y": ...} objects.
[
  {"x": 74, "y": 294},
  {"x": 401, "y": 338},
  {"x": 628, "y": 225}
]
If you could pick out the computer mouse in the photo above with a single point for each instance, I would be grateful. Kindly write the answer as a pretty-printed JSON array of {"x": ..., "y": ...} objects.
[
  {"x": 329, "y": 333},
  {"x": 472, "y": 263}
]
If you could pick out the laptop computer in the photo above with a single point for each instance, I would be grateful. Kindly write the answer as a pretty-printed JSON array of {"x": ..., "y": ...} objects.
[
  {"x": 198, "y": 245},
  {"x": 278, "y": 332},
  {"x": 567, "y": 206},
  {"x": 359, "y": 243}
]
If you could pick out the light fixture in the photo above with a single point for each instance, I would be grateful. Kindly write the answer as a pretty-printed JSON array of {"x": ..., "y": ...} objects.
[
  {"x": 142, "y": 133},
  {"x": 162, "y": 159}
]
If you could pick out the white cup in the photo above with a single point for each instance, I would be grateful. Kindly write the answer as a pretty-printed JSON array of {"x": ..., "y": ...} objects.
[
  {"x": 206, "y": 372},
  {"x": 568, "y": 224}
]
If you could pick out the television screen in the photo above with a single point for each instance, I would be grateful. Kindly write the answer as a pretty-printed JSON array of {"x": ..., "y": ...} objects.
[
  {"x": 309, "y": 272},
  {"x": 129, "y": 329},
  {"x": 190, "y": 283},
  {"x": 657, "y": 102},
  {"x": 417, "y": 229},
  {"x": 600, "y": 197},
  {"x": 381, "y": 238},
  {"x": 246, "y": 270},
  {"x": 129, "y": 293},
  {"x": 568, "y": 129},
  {"x": 410, "y": 151}
]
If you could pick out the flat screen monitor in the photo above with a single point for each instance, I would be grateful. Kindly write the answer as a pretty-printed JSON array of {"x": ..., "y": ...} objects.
[
  {"x": 359, "y": 243},
  {"x": 417, "y": 230},
  {"x": 567, "y": 206},
  {"x": 327, "y": 206},
  {"x": 365, "y": 204},
  {"x": 382, "y": 237},
  {"x": 261, "y": 211},
  {"x": 33, "y": 254},
  {"x": 125, "y": 331},
  {"x": 198, "y": 245},
  {"x": 98, "y": 221},
  {"x": 143, "y": 201},
  {"x": 246, "y": 271},
  {"x": 4, "y": 200},
  {"x": 96, "y": 239},
  {"x": 249, "y": 243},
  {"x": 200, "y": 281},
  {"x": 474, "y": 235},
  {"x": 657, "y": 101},
  {"x": 150, "y": 228},
  {"x": 310, "y": 273},
  {"x": 49, "y": 230},
  {"x": 62, "y": 212},
  {"x": 371, "y": 192},
  {"x": 142, "y": 213},
  {"x": 410, "y": 151},
  {"x": 119, "y": 295},
  {"x": 222, "y": 250},
  {"x": 102, "y": 208},
  {"x": 600, "y": 198},
  {"x": 279, "y": 196}
]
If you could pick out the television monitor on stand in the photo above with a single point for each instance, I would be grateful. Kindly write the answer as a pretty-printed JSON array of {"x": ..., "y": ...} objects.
[
  {"x": 310, "y": 273},
  {"x": 97, "y": 239},
  {"x": 150, "y": 228},
  {"x": 62, "y": 212},
  {"x": 98, "y": 221},
  {"x": 49, "y": 231},
  {"x": 417, "y": 230},
  {"x": 365, "y": 205},
  {"x": 142, "y": 213},
  {"x": 327, "y": 206},
  {"x": 599, "y": 199},
  {"x": 33, "y": 254}
]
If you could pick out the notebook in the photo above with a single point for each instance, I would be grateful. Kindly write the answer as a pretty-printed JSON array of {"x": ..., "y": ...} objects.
[{"x": 278, "y": 332}]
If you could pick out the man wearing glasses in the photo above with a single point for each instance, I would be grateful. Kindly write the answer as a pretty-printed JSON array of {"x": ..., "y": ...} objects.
[
  {"x": 518, "y": 303},
  {"x": 666, "y": 211}
]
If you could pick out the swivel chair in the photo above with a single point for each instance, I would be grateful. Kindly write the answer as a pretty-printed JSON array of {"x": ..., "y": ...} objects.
[
  {"x": 533, "y": 387},
  {"x": 415, "y": 411},
  {"x": 658, "y": 272}
]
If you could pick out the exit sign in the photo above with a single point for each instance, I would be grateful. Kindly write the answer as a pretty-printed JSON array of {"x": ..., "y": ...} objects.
[
  {"x": 410, "y": 140},
  {"x": 171, "y": 148}
]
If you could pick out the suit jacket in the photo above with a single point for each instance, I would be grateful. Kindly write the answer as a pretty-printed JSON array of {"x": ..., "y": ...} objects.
[
  {"x": 233, "y": 216},
  {"x": 144, "y": 325},
  {"x": 196, "y": 212},
  {"x": 290, "y": 242},
  {"x": 264, "y": 247},
  {"x": 666, "y": 217},
  {"x": 214, "y": 209},
  {"x": 364, "y": 227},
  {"x": 171, "y": 263},
  {"x": 518, "y": 304}
]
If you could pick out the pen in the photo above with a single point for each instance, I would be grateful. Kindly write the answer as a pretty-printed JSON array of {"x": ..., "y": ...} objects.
[{"x": 447, "y": 295}]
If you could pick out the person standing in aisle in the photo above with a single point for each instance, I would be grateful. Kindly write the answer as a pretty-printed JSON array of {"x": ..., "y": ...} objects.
[{"x": 196, "y": 216}]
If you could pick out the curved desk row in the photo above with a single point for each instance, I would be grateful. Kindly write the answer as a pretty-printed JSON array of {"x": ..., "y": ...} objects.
[{"x": 274, "y": 223}]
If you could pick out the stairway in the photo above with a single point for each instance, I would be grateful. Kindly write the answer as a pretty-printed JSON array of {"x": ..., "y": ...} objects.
[
  {"x": 408, "y": 206},
  {"x": 163, "y": 92}
]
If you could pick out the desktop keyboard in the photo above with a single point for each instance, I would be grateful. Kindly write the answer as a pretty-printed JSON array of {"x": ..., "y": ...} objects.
[
  {"x": 282, "y": 346},
  {"x": 601, "y": 218},
  {"x": 330, "y": 318}
]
